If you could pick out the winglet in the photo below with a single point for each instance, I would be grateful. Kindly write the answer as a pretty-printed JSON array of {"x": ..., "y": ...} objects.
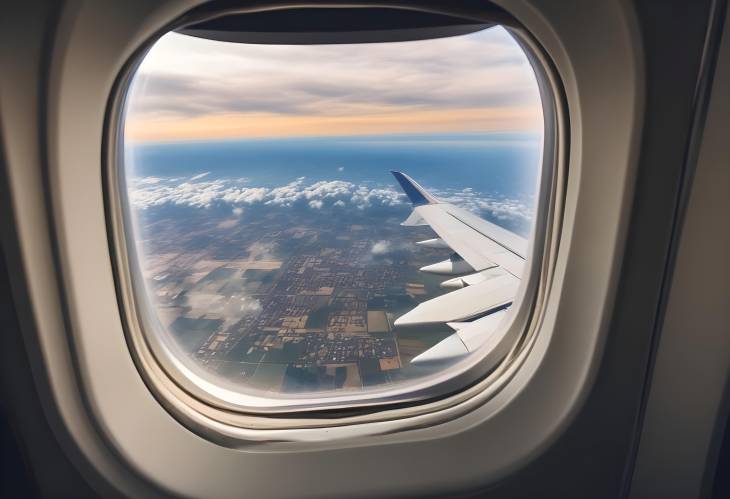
[{"x": 417, "y": 194}]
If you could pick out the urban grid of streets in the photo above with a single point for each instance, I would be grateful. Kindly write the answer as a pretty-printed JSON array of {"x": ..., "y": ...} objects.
[{"x": 289, "y": 302}]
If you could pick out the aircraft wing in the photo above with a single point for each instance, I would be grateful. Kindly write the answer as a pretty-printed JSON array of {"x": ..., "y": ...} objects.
[{"x": 487, "y": 263}]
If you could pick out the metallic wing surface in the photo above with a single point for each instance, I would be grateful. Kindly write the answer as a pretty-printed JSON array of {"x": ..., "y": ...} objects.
[{"x": 485, "y": 271}]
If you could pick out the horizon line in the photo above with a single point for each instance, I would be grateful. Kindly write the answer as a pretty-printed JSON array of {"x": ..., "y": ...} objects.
[{"x": 242, "y": 138}]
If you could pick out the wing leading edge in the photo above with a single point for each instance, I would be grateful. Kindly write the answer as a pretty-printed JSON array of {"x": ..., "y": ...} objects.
[{"x": 485, "y": 270}]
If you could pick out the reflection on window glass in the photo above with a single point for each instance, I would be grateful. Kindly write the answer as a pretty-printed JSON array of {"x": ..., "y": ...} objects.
[{"x": 269, "y": 225}]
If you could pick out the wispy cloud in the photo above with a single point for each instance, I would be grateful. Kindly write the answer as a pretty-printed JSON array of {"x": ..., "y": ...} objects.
[
  {"x": 199, "y": 176},
  {"x": 187, "y": 85}
]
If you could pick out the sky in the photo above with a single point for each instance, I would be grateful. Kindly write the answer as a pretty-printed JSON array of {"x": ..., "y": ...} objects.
[{"x": 195, "y": 89}]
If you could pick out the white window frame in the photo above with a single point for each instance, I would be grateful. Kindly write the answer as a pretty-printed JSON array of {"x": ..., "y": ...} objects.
[
  {"x": 124, "y": 431},
  {"x": 480, "y": 371}
]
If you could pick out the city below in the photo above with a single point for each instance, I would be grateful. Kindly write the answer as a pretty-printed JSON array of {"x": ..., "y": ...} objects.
[{"x": 292, "y": 299}]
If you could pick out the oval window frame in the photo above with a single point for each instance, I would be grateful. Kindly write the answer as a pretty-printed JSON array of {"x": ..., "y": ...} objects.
[{"x": 201, "y": 404}]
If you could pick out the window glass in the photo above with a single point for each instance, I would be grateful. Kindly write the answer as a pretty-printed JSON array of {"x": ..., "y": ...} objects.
[{"x": 318, "y": 218}]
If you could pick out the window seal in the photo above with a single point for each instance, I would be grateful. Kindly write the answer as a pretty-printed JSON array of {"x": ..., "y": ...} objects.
[{"x": 230, "y": 423}]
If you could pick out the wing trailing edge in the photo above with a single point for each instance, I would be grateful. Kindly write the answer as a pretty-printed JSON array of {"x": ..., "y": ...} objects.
[
  {"x": 487, "y": 266},
  {"x": 463, "y": 304},
  {"x": 468, "y": 337}
]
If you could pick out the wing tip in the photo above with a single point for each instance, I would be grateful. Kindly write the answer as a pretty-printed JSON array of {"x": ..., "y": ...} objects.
[{"x": 416, "y": 194}]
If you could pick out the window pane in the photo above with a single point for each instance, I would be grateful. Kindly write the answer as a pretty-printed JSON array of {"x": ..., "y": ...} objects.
[{"x": 267, "y": 219}]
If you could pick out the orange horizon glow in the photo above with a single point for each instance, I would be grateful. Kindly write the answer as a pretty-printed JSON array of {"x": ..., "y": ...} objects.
[
  {"x": 269, "y": 125},
  {"x": 195, "y": 89}
]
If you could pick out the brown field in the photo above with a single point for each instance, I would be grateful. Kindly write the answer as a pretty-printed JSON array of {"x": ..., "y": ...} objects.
[
  {"x": 377, "y": 322},
  {"x": 389, "y": 363}
]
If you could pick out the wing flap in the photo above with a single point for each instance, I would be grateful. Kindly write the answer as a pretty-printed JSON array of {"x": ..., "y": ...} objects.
[
  {"x": 464, "y": 303},
  {"x": 469, "y": 336},
  {"x": 449, "y": 348},
  {"x": 509, "y": 262},
  {"x": 475, "y": 334},
  {"x": 414, "y": 219}
]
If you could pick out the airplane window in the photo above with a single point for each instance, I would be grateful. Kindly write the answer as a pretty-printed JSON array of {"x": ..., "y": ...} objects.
[{"x": 328, "y": 219}]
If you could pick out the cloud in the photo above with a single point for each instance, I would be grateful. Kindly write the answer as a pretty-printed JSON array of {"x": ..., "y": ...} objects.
[
  {"x": 207, "y": 193},
  {"x": 227, "y": 224},
  {"x": 384, "y": 248},
  {"x": 263, "y": 251},
  {"x": 145, "y": 194},
  {"x": 243, "y": 195},
  {"x": 150, "y": 180},
  {"x": 250, "y": 305},
  {"x": 381, "y": 248},
  {"x": 196, "y": 81},
  {"x": 199, "y": 176},
  {"x": 340, "y": 168},
  {"x": 499, "y": 208},
  {"x": 193, "y": 76}
]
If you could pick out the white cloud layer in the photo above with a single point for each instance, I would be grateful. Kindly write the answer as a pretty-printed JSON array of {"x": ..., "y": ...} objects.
[
  {"x": 188, "y": 76},
  {"x": 206, "y": 193},
  {"x": 148, "y": 192}
]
